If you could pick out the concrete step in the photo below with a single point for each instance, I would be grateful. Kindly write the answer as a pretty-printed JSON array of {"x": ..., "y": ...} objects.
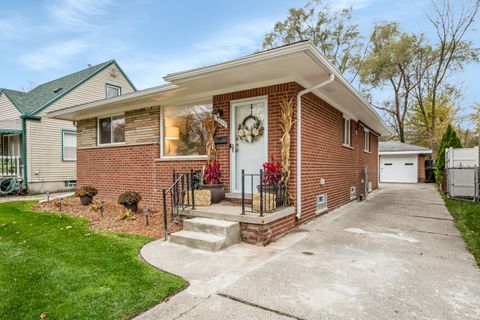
[
  {"x": 207, "y": 234},
  {"x": 198, "y": 240},
  {"x": 221, "y": 228}
]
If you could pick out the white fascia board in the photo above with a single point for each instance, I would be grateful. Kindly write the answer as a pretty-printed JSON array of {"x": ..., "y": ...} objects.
[
  {"x": 315, "y": 54},
  {"x": 256, "y": 57},
  {"x": 404, "y": 152}
]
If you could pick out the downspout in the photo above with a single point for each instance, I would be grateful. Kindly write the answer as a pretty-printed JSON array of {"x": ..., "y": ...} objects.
[
  {"x": 299, "y": 140},
  {"x": 25, "y": 117},
  {"x": 24, "y": 150}
]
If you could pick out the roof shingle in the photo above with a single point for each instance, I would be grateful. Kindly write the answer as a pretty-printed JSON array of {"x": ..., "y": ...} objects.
[{"x": 38, "y": 97}]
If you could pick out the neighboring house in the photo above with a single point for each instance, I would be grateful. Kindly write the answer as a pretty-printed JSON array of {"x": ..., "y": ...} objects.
[
  {"x": 402, "y": 162},
  {"x": 163, "y": 131},
  {"x": 41, "y": 151}
]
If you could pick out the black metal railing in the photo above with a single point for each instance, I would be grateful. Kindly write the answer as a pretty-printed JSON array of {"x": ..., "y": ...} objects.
[
  {"x": 267, "y": 192},
  {"x": 10, "y": 166},
  {"x": 178, "y": 197}
]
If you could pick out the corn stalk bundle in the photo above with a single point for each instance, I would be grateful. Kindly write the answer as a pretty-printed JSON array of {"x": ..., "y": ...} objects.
[
  {"x": 210, "y": 127},
  {"x": 286, "y": 123}
]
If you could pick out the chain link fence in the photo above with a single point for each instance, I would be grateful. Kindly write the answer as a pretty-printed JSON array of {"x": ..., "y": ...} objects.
[{"x": 463, "y": 183}]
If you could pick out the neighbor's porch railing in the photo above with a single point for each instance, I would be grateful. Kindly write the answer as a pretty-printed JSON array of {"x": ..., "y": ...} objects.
[
  {"x": 269, "y": 195},
  {"x": 10, "y": 166},
  {"x": 178, "y": 197}
]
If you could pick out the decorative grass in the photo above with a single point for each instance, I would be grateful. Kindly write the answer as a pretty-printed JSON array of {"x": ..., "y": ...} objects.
[{"x": 56, "y": 266}]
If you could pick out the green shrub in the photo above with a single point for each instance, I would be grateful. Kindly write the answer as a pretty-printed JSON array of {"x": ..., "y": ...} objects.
[
  {"x": 88, "y": 191},
  {"x": 129, "y": 198}
]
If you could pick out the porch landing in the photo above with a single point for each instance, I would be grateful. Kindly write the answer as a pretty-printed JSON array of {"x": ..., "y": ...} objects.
[{"x": 234, "y": 213}]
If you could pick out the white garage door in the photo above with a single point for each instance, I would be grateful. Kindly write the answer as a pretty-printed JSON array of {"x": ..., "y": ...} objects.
[{"x": 399, "y": 168}]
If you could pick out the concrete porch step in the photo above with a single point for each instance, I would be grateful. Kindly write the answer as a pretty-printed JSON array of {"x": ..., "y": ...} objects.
[
  {"x": 199, "y": 240},
  {"x": 212, "y": 226},
  {"x": 207, "y": 234}
]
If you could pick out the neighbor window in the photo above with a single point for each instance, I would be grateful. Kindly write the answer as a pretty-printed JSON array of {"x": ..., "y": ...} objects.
[
  {"x": 367, "y": 140},
  {"x": 111, "y": 129},
  {"x": 69, "y": 145},
  {"x": 113, "y": 91},
  {"x": 346, "y": 131},
  {"x": 183, "y": 130}
]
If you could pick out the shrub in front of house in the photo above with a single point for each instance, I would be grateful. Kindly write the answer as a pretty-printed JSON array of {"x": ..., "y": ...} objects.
[
  {"x": 130, "y": 200},
  {"x": 86, "y": 194}
]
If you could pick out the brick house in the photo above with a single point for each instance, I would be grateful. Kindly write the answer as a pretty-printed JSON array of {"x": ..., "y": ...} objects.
[{"x": 337, "y": 129}]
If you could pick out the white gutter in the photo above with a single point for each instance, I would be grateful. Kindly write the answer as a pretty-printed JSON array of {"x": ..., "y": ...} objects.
[{"x": 299, "y": 139}]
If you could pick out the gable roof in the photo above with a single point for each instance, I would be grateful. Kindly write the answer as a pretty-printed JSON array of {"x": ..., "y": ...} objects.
[
  {"x": 301, "y": 62},
  {"x": 45, "y": 94},
  {"x": 393, "y": 147}
]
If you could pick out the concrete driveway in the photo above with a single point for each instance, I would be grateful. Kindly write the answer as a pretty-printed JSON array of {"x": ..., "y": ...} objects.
[{"x": 396, "y": 255}]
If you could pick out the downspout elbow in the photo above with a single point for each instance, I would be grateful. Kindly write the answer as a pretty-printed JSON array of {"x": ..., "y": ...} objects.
[{"x": 299, "y": 140}]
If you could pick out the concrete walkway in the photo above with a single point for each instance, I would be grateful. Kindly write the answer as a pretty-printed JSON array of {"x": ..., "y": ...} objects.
[
  {"x": 396, "y": 255},
  {"x": 35, "y": 197}
]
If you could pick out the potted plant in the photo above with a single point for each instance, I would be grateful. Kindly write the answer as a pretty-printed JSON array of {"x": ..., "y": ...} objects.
[
  {"x": 86, "y": 194},
  {"x": 130, "y": 200},
  {"x": 212, "y": 180},
  {"x": 272, "y": 178}
]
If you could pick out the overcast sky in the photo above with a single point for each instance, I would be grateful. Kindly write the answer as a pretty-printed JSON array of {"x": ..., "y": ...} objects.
[{"x": 43, "y": 40}]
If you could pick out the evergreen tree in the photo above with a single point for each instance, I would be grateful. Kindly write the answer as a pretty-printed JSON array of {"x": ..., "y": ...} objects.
[{"x": 449, "y": 139}]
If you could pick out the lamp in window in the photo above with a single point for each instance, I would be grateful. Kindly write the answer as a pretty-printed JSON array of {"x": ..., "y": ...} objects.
[{"x": 171, "y": 133}]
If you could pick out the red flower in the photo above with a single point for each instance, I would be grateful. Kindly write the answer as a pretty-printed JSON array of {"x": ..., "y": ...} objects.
[
  {"x": 212, "y": 173},
  {"x": 272, "y": 171}
]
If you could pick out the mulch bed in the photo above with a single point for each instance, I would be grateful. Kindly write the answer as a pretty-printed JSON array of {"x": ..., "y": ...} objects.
[{"x": 111, "y": 220}]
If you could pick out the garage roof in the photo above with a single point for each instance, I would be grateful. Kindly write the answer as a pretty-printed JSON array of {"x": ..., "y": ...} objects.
[{"x": 397, "y": 147}]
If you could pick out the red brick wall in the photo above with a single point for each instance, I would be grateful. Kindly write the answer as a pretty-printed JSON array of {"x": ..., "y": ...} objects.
[
  {"x": 421, "y": 168},
  {"x": 324, "y": 156},
  {"x": 113, "y": 170}
]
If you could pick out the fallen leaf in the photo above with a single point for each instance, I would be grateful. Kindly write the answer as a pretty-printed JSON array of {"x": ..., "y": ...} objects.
[{"x": 43, "y": 315}]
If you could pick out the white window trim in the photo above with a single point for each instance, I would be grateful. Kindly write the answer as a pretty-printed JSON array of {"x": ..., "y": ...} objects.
[
  {"x": 365, "y": 139},
  {"x": 65, "y": 131},
  {"x": 169, "y": 158},
  {"x": 111, "y": 131},
  {"x": 108, "y": 85},
  {"x": 349, "y": 144}
]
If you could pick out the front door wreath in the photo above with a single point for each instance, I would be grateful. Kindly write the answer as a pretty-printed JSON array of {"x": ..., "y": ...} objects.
[{"x": 251, "y": 129}]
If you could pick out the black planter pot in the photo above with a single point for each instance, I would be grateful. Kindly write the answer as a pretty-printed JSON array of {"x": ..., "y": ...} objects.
[
  {"x": 217, "y": 191},
  {"x": 132, "y": 207},
  {"x": 86, "y": 200}
]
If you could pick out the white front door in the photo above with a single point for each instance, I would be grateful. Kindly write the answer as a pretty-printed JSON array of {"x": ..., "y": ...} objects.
[
  {"x": 399, "y": 168},
  {"x": 248, "y": 141}
]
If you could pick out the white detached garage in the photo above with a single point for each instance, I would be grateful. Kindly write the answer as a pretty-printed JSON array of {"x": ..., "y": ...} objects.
[{"x": 401, "y": 162}]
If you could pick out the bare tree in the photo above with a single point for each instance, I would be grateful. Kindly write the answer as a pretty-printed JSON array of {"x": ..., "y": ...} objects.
[{"x": 450, "y": 53}]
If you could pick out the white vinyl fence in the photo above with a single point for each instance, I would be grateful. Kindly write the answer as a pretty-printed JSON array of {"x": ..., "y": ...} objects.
[{"x": 462, "y": 173}]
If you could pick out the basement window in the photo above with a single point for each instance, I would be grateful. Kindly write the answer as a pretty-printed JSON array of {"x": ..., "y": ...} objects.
[
  {"x": 321, "y": 203},
  {"x": 353, "y": 193}
]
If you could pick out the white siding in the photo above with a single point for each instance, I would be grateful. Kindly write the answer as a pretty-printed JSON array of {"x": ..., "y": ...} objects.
[
  {"x": 7, "y": 109},
  {"x": 44, "y": 138},
  {"x": 91, "y": 90}
]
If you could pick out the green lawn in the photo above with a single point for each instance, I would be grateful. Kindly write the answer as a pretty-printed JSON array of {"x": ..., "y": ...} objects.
[
  {"x": 57, "y": 264},
  {"x": 467, "y": 219}
]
